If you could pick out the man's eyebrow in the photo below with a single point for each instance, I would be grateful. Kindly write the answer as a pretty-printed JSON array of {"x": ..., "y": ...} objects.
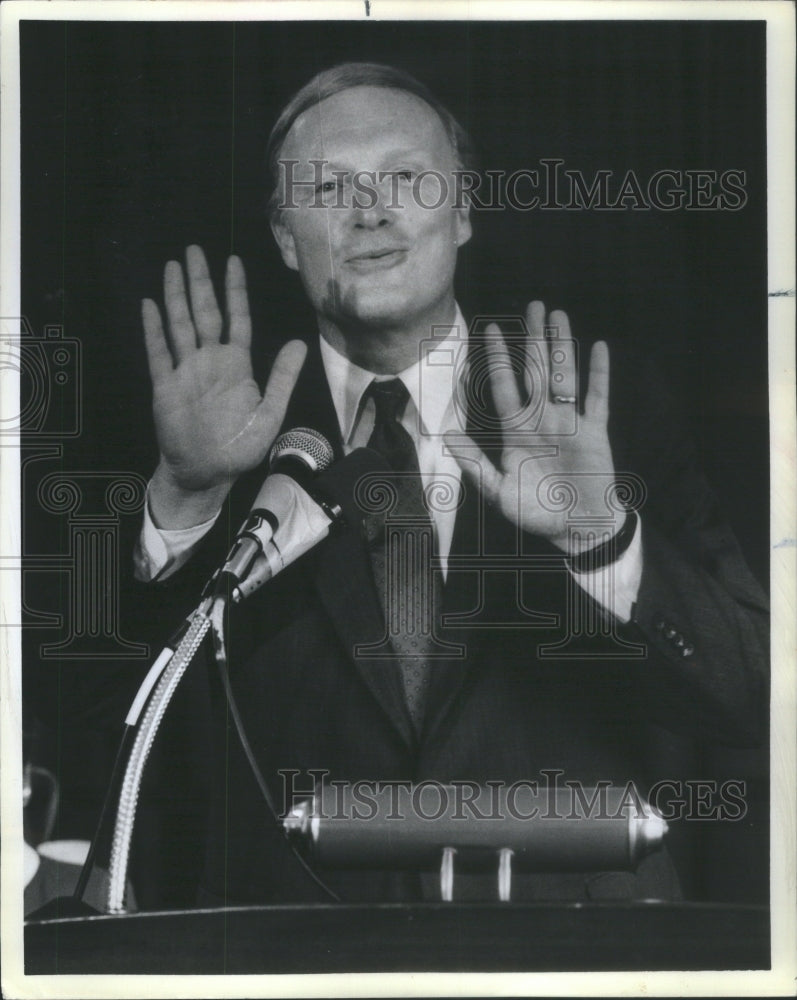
[{"x": 399, "y": 153}]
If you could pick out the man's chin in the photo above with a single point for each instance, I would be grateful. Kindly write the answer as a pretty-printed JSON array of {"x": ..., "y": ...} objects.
[{"x": 374, "y": 311}]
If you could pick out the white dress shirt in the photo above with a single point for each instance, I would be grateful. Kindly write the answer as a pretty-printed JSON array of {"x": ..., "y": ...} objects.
[{"x": 430, "y": 412}]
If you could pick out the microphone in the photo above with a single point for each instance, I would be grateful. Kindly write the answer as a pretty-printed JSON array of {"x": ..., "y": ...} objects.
[
  {"x": 295, "y": 458},
  {"x": 307, "y": 515}
]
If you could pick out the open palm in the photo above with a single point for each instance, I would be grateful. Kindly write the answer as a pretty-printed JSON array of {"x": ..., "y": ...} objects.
[
  {"x": 555, "y": 462},
  {"x": 211, "y": 420}
]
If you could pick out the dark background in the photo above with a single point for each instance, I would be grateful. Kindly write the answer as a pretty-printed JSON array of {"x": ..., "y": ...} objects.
[{"x": 138, "y": 139}]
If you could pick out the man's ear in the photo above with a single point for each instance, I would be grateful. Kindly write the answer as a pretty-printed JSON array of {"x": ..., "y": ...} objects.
[
  {"x": 463, "y": 228},
  {"x": 285, "y": 242}
]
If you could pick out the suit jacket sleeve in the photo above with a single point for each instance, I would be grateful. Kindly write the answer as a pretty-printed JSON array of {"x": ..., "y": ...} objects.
[{"x": 700, "y": 612}]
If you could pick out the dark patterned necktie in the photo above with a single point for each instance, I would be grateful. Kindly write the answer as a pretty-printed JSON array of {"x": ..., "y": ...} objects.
[{"x": 401, "y": 554}]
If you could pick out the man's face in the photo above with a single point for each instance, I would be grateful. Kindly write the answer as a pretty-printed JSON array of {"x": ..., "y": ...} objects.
[{"x": 367, "y": 247}]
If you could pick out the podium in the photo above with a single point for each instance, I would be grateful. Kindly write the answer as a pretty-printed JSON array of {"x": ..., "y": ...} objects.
[{"x": 428, "y": 937}]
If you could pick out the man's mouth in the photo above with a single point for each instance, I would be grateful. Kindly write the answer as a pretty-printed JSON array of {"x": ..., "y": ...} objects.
[{"x": 377, "y": 259}]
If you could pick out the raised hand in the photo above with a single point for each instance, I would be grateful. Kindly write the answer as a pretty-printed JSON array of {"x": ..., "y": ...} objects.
[
  {"x": 211, "y": 420},
  {"x": 539, "y": 443}
]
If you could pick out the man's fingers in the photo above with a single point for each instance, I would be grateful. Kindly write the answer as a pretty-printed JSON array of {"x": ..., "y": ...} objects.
[
  {"x": 475, "y": 465},
  {"x": 238, "y": 303},
  {"x": 503, "y": 378},
  {"x": 159, "y": 356},
  {"x": 207, "y": 318},
  {"x": 535, "y": 319},
  {"x": 596, "y": 402},
  {"x": 536, "y": 373},
  {"x": 181, "y": 326},
  {"x": 562, "y": 354},
  {"x": 281, "y": 381}
]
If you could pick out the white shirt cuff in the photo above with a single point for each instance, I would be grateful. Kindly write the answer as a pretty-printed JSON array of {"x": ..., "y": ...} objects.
[
  {"x": 615, "y": 587},
  {"x": 160, "y": 552}
]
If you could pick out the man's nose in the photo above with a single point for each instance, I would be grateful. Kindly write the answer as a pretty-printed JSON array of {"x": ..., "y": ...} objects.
[
  {"x": 371, "y": 206},
  {"x": 371, "y": 219}
]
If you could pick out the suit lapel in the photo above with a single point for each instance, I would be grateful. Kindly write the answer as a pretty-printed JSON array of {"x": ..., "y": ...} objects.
[
  {"x": 341, "y": 568},
  {"x": 342, "y": 575},
  {"x": 478, "y": 529},
  {"x": 460, "y": 594}
]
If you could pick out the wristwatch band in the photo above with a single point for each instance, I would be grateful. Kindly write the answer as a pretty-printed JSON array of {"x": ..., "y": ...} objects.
[{"x": 608, "y": 552}]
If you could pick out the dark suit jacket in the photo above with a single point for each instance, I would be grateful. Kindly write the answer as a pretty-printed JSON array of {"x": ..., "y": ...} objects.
[{"x": 504, "y": 710}]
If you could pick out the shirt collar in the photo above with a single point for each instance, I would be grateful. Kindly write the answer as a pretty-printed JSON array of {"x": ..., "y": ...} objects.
[{"x": 429, "y": 380}]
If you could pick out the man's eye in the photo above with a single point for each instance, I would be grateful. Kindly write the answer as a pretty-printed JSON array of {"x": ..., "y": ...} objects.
[{"x": 327, "y": 187}]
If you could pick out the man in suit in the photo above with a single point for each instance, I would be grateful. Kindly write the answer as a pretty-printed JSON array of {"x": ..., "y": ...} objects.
[{"x": 554, "y": 646}]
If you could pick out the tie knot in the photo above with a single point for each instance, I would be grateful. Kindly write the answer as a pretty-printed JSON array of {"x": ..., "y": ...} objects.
[{"x": 390, "y": 399}]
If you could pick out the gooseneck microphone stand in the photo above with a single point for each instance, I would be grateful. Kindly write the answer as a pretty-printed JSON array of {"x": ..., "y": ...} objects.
[{"x": 166, "y": 685}]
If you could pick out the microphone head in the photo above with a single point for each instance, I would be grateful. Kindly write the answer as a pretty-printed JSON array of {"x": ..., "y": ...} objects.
[{"x": 304, "y": 445}]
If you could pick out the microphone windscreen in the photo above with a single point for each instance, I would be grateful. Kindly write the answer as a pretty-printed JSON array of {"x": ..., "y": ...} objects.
[
  {"x": 346, "y": 483},
  {"x": 300, "y": 453},
  {"x": 303, "y": 444}
]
